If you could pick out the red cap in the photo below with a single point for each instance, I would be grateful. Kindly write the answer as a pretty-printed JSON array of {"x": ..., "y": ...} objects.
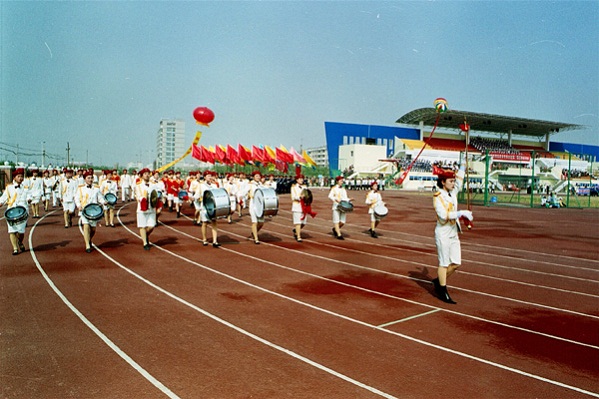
[
  {"x": 144, "y": 170},
  {"x": 339, "y": 178},
  {"x": 256, "y": 172},
  {"x": 19, "y": 171},
  {"x": 87, "y": 173}
]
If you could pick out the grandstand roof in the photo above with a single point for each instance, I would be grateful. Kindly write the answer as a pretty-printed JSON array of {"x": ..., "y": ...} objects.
[{"x": 451, "y": 119}]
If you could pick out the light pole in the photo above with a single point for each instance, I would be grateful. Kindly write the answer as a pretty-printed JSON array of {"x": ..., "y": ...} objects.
[{"x": 43, "y": 154}]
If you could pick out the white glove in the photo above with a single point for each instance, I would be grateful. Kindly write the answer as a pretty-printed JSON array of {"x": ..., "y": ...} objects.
[
  {"x": 466, "y": 214},
  {"x": 453, "y": 215}
]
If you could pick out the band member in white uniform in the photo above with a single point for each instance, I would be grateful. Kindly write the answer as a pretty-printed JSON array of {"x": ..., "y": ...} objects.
[
  {"x": 209, "y": 183},
  {"x": 16, "y": 195},
  {"x": 193, "y": 188},
  {"x": 35, "y": 185},
  {"x": 109, "y": 185},
  {"x": 47, "y": 182},
  {"x": 338, "y": 194},
  {"x": 56, "y": 178},
  {"x": 299, "y": 217},
  {"x": 88, "y": 193},
  {"x": 159, "y": 186},
  {"x": 445, "y": 201},
  {"x": 373, "y": 198},
  {"x": 68, "y": 190},
  {"x": 126, "y": 185},
  {"x": 231, "y": 187},
  {"x": 146, "y": 215},
  {"x": 242, "y": 192},
  {"x": 257, "y": 223}
]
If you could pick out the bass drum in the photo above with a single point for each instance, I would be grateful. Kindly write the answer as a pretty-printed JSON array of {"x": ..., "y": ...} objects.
[
  {"x": 380, "y": 211},
  {"x": 93, "y": 212},
  {"x": 266, "y": 202},
  {"x": 16, "y": 215},
  {"x": 217, "y": 203}
]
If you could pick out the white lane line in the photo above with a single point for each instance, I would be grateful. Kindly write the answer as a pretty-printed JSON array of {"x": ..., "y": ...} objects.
[
  {"x": 90, "y": 325},
  {"x": 306, "y": 253},
  {"x": 471, "y": 261},
  {"x": 466, "y": 244},
  {"x": 224, "y": 248},
  {"x": 359, "y": 322},
  {"x": 408, "y": 318}
]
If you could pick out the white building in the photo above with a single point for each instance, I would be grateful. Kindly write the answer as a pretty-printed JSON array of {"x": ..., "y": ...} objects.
[
  {"x": 319, "y": 155},
  {"x": 170, "y": 141},
  {"x": 363, "y": 158}
]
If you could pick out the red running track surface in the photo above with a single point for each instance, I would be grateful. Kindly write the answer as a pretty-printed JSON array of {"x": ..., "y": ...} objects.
[{"x": 319, "y": 319}]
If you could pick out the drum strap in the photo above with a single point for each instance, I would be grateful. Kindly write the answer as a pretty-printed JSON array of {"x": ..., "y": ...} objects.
[{"x": 12, "y": 199}]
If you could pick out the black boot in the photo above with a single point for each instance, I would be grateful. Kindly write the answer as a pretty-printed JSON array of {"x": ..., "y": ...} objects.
[
  {"x": 437, "y": 286},
  {"x": 445, "y": 295}
]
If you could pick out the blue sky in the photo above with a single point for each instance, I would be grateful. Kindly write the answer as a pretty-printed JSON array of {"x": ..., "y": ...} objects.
[{"x": 101, "y": 75}]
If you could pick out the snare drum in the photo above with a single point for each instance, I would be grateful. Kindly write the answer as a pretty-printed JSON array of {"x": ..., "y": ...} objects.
[
  {"x": 217, "y": 203},
  {"x": 16, "y": 215},
  {"x": 266, "y": 202},
  {"x": 380, "y": 211},
  {"x": 345, "y": 206},
  {"x": 183, "y": 195},
  {"x": 93, "y": 212},
  {"x": 110, "y": 199}
]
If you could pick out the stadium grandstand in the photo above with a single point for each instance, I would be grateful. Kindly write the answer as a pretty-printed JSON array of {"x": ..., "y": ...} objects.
[{"x": 505, "y": 153}]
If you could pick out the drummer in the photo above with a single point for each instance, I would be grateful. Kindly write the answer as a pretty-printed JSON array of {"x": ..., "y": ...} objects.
[
  {"x": 68, "y": 190},
  {"x": 257, "y": 222},
  {"x": 16, "y": 195},
  {"x": 299, "y": 216},
  {"x": 338, "y": 194},
  {"x": 146, "y": 214},
  {"x": 373, "y": 199},
  {"x": 194, "y": 191},
  {"x": 88, "y": 193},
  {"x": 208, "y": 184},
  {"x": 109, "y": 186},
  {"x": 242, "y": 192}
]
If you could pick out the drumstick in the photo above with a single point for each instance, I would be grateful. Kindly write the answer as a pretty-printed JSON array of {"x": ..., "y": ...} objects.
[{"x": 405, "y": 174}]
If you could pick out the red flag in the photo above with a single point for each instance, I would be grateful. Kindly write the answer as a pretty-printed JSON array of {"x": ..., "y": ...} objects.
[
  {"x": 257, "y": 154},
  {"x": 207, "y": 155},
  {"x": 233, "y": 156},
  {"x": 283, "y": 155},
  {"x": 220, "y": 155},
  {"x": 244, "y": 153},
  {"x": 196, "y": 152},
  {"x": 282, "y": 166}
]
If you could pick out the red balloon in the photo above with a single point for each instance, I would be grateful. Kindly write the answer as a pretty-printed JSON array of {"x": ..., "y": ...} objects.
[{"x": 203, "y": 115}]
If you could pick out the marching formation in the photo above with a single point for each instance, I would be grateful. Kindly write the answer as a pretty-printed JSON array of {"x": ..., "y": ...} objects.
[{"x": 213, "y": 198}]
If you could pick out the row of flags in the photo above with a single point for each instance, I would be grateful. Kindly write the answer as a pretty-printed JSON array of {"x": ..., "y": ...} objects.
[{"x": 279, "y": 157}]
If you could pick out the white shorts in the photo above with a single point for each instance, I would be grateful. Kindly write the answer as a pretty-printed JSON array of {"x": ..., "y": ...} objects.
[
  {"x": 297, "y": 218},
  {"x": 146, "y": 219},
  {"x": 17, "y": 228},
  {"x": 449, "y": 251},
  {"x": 197, "y": 204},
  {"x": 204, "y": 215},
  {"x": 253, "y": 216},
  {"x": 84, "y": 220},
  {"x": 339, "y": 217},
  {"x": 68, "y": 207}
]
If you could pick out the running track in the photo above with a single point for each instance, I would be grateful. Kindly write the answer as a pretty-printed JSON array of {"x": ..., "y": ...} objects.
[{"x": 319, "y": 319}]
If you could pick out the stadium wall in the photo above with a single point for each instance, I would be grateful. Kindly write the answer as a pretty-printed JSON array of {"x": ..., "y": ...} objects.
[{"x": 338, "y": 134}]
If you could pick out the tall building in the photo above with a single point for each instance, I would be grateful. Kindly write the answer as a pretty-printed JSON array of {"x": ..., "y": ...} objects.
[
  {"x": 319, "y": 155},
  {"x": 170, "y": 141}
]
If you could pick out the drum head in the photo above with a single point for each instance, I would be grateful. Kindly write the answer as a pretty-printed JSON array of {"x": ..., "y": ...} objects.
[
  {"x": 93, "y": 212},
  {"x": 259, "y": 203},
  {"x": 16, "y": 215},
  {"x": 209, "y": 204},
  {"x": 345, "y": 206},
  {"x": 183, "y": 195},
  {"x": 381, "y": 211},
  {"x": 110, "y": 198}
]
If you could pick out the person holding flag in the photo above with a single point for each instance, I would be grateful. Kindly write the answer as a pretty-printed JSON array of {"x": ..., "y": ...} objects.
[{"x": 445, "y": 202}]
